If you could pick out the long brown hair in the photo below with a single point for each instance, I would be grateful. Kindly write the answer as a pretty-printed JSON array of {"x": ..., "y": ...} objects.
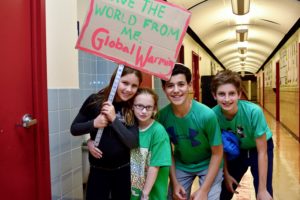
[{"x": 103, "y": 94}]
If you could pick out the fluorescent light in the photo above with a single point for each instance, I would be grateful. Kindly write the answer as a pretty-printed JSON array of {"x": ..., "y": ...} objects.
[
  {"x": 241, "y": 35},
  {"x": 242, "y": 50},
  {"x": 243, "y": 73},
  {"x": 240, "y": 7},
  {"x": 242, "y": 44}
]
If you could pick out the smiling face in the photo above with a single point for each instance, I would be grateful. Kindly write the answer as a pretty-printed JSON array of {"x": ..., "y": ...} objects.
[
  {"x": 144, "y": 107},
  {"x": 177, "y": 90},
  {"x": 227, "y": 97},
  {"x": 127, "y": 87}
]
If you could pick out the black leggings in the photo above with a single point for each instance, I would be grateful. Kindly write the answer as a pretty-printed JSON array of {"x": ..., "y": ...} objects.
[{"x": 109, "y": 184}]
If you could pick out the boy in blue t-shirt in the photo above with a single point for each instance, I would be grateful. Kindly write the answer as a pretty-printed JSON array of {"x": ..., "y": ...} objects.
[
  {"x": 196, "y": 137},
  {"x": 247, "y": 122}
]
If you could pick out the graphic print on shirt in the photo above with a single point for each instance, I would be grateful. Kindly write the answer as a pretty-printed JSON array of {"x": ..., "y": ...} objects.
[
  {"x": 140, "y": 159},
  {"x": 239, "y": 131},
  {"x": 192, "y": 135}
]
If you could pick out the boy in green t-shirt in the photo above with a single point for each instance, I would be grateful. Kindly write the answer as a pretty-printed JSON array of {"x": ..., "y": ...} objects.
[
  {"x": 247, "y": 122},
  {"x": 195, "y": 134}
]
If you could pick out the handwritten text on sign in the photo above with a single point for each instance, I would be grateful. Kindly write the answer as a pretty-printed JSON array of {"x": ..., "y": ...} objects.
[{"x": 143, "y": 34}]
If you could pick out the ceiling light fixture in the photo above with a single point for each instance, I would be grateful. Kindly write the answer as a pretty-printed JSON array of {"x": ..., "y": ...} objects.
[
  {"x": 241, "y": 35},
  {"x": 240, "y": 7},
  {"x": 243, "y": 73},
  {"x": 243, "y": 58},
  {"x": 242, "y": 50}
]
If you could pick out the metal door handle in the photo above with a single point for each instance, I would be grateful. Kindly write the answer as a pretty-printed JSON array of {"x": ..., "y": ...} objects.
[{"x": 27, "y": 121}]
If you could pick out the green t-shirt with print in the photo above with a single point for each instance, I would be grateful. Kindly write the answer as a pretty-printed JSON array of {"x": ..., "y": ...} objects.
[
  {"x": 248, "y": 124},
  {"x": 192, "y": 135},
  {"x": 154, "y": 150}
]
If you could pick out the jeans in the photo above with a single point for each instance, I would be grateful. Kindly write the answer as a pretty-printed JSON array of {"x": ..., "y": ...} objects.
[{"x": 186, "y": 179}]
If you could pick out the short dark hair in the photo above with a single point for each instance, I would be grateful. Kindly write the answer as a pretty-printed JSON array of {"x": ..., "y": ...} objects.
[
  {"x": 180, "y": 68},
  {"x": 225, "y": 77}
]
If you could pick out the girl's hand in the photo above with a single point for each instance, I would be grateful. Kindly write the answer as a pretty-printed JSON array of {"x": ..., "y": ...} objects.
[
  {"x": 109, "y": 111},
  {"x": 94, "y": 150},
  {"x": 144, "y": 197},
  {"x": 100, "y": 121}
]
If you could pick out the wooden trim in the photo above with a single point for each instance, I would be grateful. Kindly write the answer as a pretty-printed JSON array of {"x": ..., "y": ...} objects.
[
  {"x": 277, "y": 91},
  {"x": 196, "y": 76},
  {"x": 298, "y": 65},
  {"x": 39, "y": 66},
  {"x": 263, "y": 89}
]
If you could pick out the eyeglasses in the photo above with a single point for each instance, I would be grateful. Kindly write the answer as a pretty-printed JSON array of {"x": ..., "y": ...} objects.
[{"x": 142, "y": 107}]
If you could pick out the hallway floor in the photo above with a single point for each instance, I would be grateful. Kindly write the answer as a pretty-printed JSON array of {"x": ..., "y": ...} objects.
[{"x": 286, "y": 172}]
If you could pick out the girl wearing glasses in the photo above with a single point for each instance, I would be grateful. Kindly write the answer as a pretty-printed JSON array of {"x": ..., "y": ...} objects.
[{"x": 151, "y": 161}]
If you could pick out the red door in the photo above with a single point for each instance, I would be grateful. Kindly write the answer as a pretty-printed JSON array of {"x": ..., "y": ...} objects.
[
  {"x": 24, "y": 152},
  {"x": 196, "y": 76}
]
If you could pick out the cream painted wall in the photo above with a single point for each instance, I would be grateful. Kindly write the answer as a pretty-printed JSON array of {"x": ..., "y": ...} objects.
[
  {"x": 61, "y": 37},
  {"x": 83, "y": 6},
  {"x": 205, "y": 62}
]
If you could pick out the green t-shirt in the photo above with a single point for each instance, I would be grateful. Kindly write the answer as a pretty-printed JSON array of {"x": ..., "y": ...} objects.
[
  {"x": 248, "y": 124},
  {"x": 192, "y": 135},
  {"x": 154, "y": 150}
]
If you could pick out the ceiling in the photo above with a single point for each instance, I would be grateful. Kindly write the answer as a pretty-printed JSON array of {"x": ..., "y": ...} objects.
[{"x": 268, "y": 21}]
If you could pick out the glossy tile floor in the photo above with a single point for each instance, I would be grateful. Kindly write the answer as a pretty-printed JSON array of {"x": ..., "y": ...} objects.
[{"x": 286, "y": 171}]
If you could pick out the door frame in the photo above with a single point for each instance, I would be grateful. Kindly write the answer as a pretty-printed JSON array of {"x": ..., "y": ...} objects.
[
  {"x": 277, "y": 89},
  {"x": 196, "y": 76},
  {"x": 299, "y": 88},
  {"x": 40, "y": 101}
]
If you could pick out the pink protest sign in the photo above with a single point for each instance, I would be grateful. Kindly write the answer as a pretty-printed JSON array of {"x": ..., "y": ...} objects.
[{"x": 143, "y": 34}]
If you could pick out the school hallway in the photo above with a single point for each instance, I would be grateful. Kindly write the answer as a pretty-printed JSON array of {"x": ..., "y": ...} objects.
[{"x": 286, "y": 169}]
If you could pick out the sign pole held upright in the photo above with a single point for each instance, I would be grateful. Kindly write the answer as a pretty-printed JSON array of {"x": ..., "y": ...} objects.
[{"x": 110, "y": 99}]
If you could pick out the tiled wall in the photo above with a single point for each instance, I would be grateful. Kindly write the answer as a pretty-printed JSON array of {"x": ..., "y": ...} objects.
[
  {"x": 63, "y": 105},
  {"x": 162, "y": 101}
]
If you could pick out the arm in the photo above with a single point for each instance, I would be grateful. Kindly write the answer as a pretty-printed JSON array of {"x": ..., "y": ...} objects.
[
  {"x": 82, "y": 125},
  {"x": 229, "y": 180},
  {"x": 129, "y": 135},
  {"x": 88, "y": 118},
  {"x": 178, "y": 191},
  {"x": 213, "y": 168},
  {"x": 261, "y": 145},
  {"x": 150, "y": 180}
]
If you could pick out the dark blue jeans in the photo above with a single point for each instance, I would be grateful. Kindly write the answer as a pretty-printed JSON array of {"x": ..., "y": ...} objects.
[{"x": 238, "y": 167}]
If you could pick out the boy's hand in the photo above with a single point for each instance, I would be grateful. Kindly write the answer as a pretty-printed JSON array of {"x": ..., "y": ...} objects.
[
  {"x": 229, "y": 181},
  {"x": 264, "y": 195},
  {"x": 199, "y": 195},
  {"x": 179, "y": 192}
]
